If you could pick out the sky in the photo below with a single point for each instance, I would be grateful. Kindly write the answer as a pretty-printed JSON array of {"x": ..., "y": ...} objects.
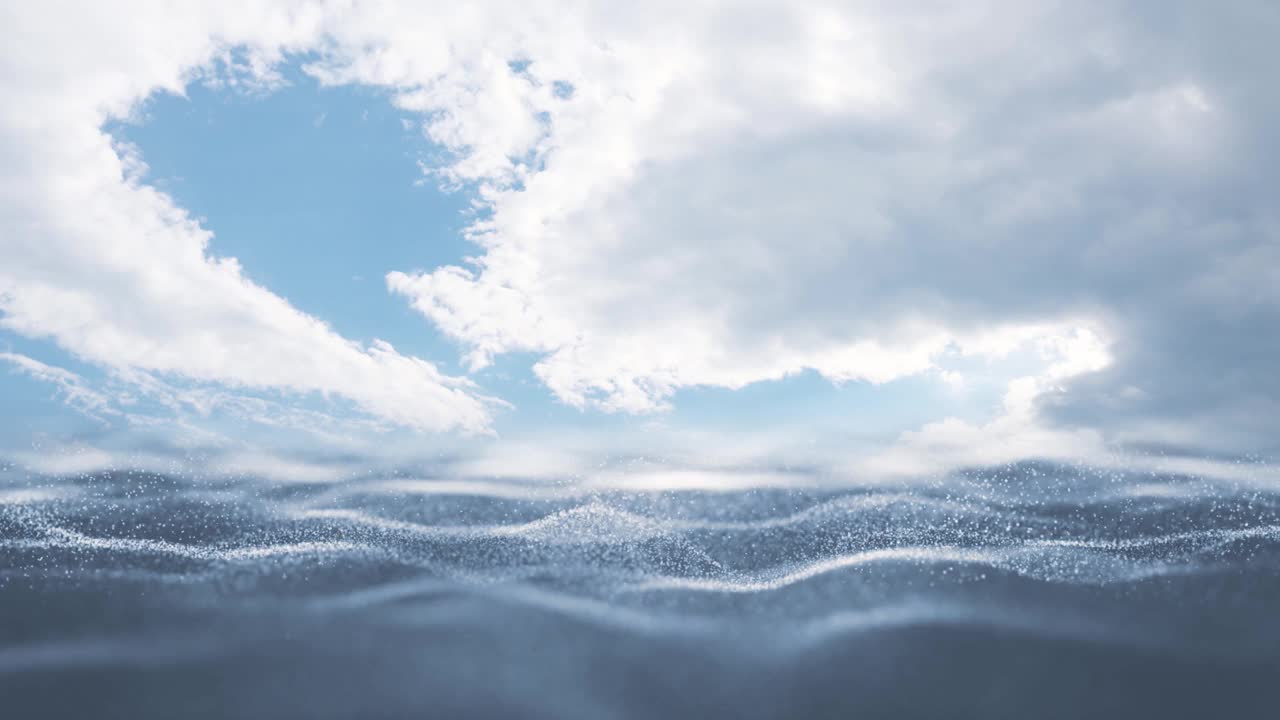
[{"x": 876, "y": 237}]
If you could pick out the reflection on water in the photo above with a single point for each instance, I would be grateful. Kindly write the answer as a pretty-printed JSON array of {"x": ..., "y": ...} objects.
[{"x": 1028, "y": 591}]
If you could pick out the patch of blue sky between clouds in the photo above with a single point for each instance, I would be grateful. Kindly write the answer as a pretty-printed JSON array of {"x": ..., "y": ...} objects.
[{"x": 316, "y": 191}]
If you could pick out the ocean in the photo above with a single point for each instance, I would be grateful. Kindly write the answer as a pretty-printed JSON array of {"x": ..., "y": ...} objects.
[{"x": 1033, "y": 590}]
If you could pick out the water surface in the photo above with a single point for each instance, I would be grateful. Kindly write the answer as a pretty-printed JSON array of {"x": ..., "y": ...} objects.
[{"x": 1034, "y": 590}]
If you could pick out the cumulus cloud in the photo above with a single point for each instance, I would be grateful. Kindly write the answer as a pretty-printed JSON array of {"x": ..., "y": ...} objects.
[
  {"x": 735, "y": 194},
  {"x": 706, "y": 194}
]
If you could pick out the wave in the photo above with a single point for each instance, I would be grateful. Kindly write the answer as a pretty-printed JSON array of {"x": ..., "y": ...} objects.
[{"x": 518, "y": 590}]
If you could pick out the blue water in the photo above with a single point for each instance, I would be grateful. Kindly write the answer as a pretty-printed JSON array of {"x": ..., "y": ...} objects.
[{"x": 1027, "y": 591}]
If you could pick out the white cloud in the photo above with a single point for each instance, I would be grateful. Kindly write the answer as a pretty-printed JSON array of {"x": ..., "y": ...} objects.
[
  {"x": 731, "y": 193},
  {"x": 737, "y": 194},
  {"x": 1016, "y": 432}
]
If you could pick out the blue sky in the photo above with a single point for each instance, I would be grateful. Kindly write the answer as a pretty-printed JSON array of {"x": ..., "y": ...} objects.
[{"x": 549, "y": 228}]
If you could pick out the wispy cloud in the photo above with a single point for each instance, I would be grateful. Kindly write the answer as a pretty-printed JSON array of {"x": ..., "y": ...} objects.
[{"x": 71, "y": 387}]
